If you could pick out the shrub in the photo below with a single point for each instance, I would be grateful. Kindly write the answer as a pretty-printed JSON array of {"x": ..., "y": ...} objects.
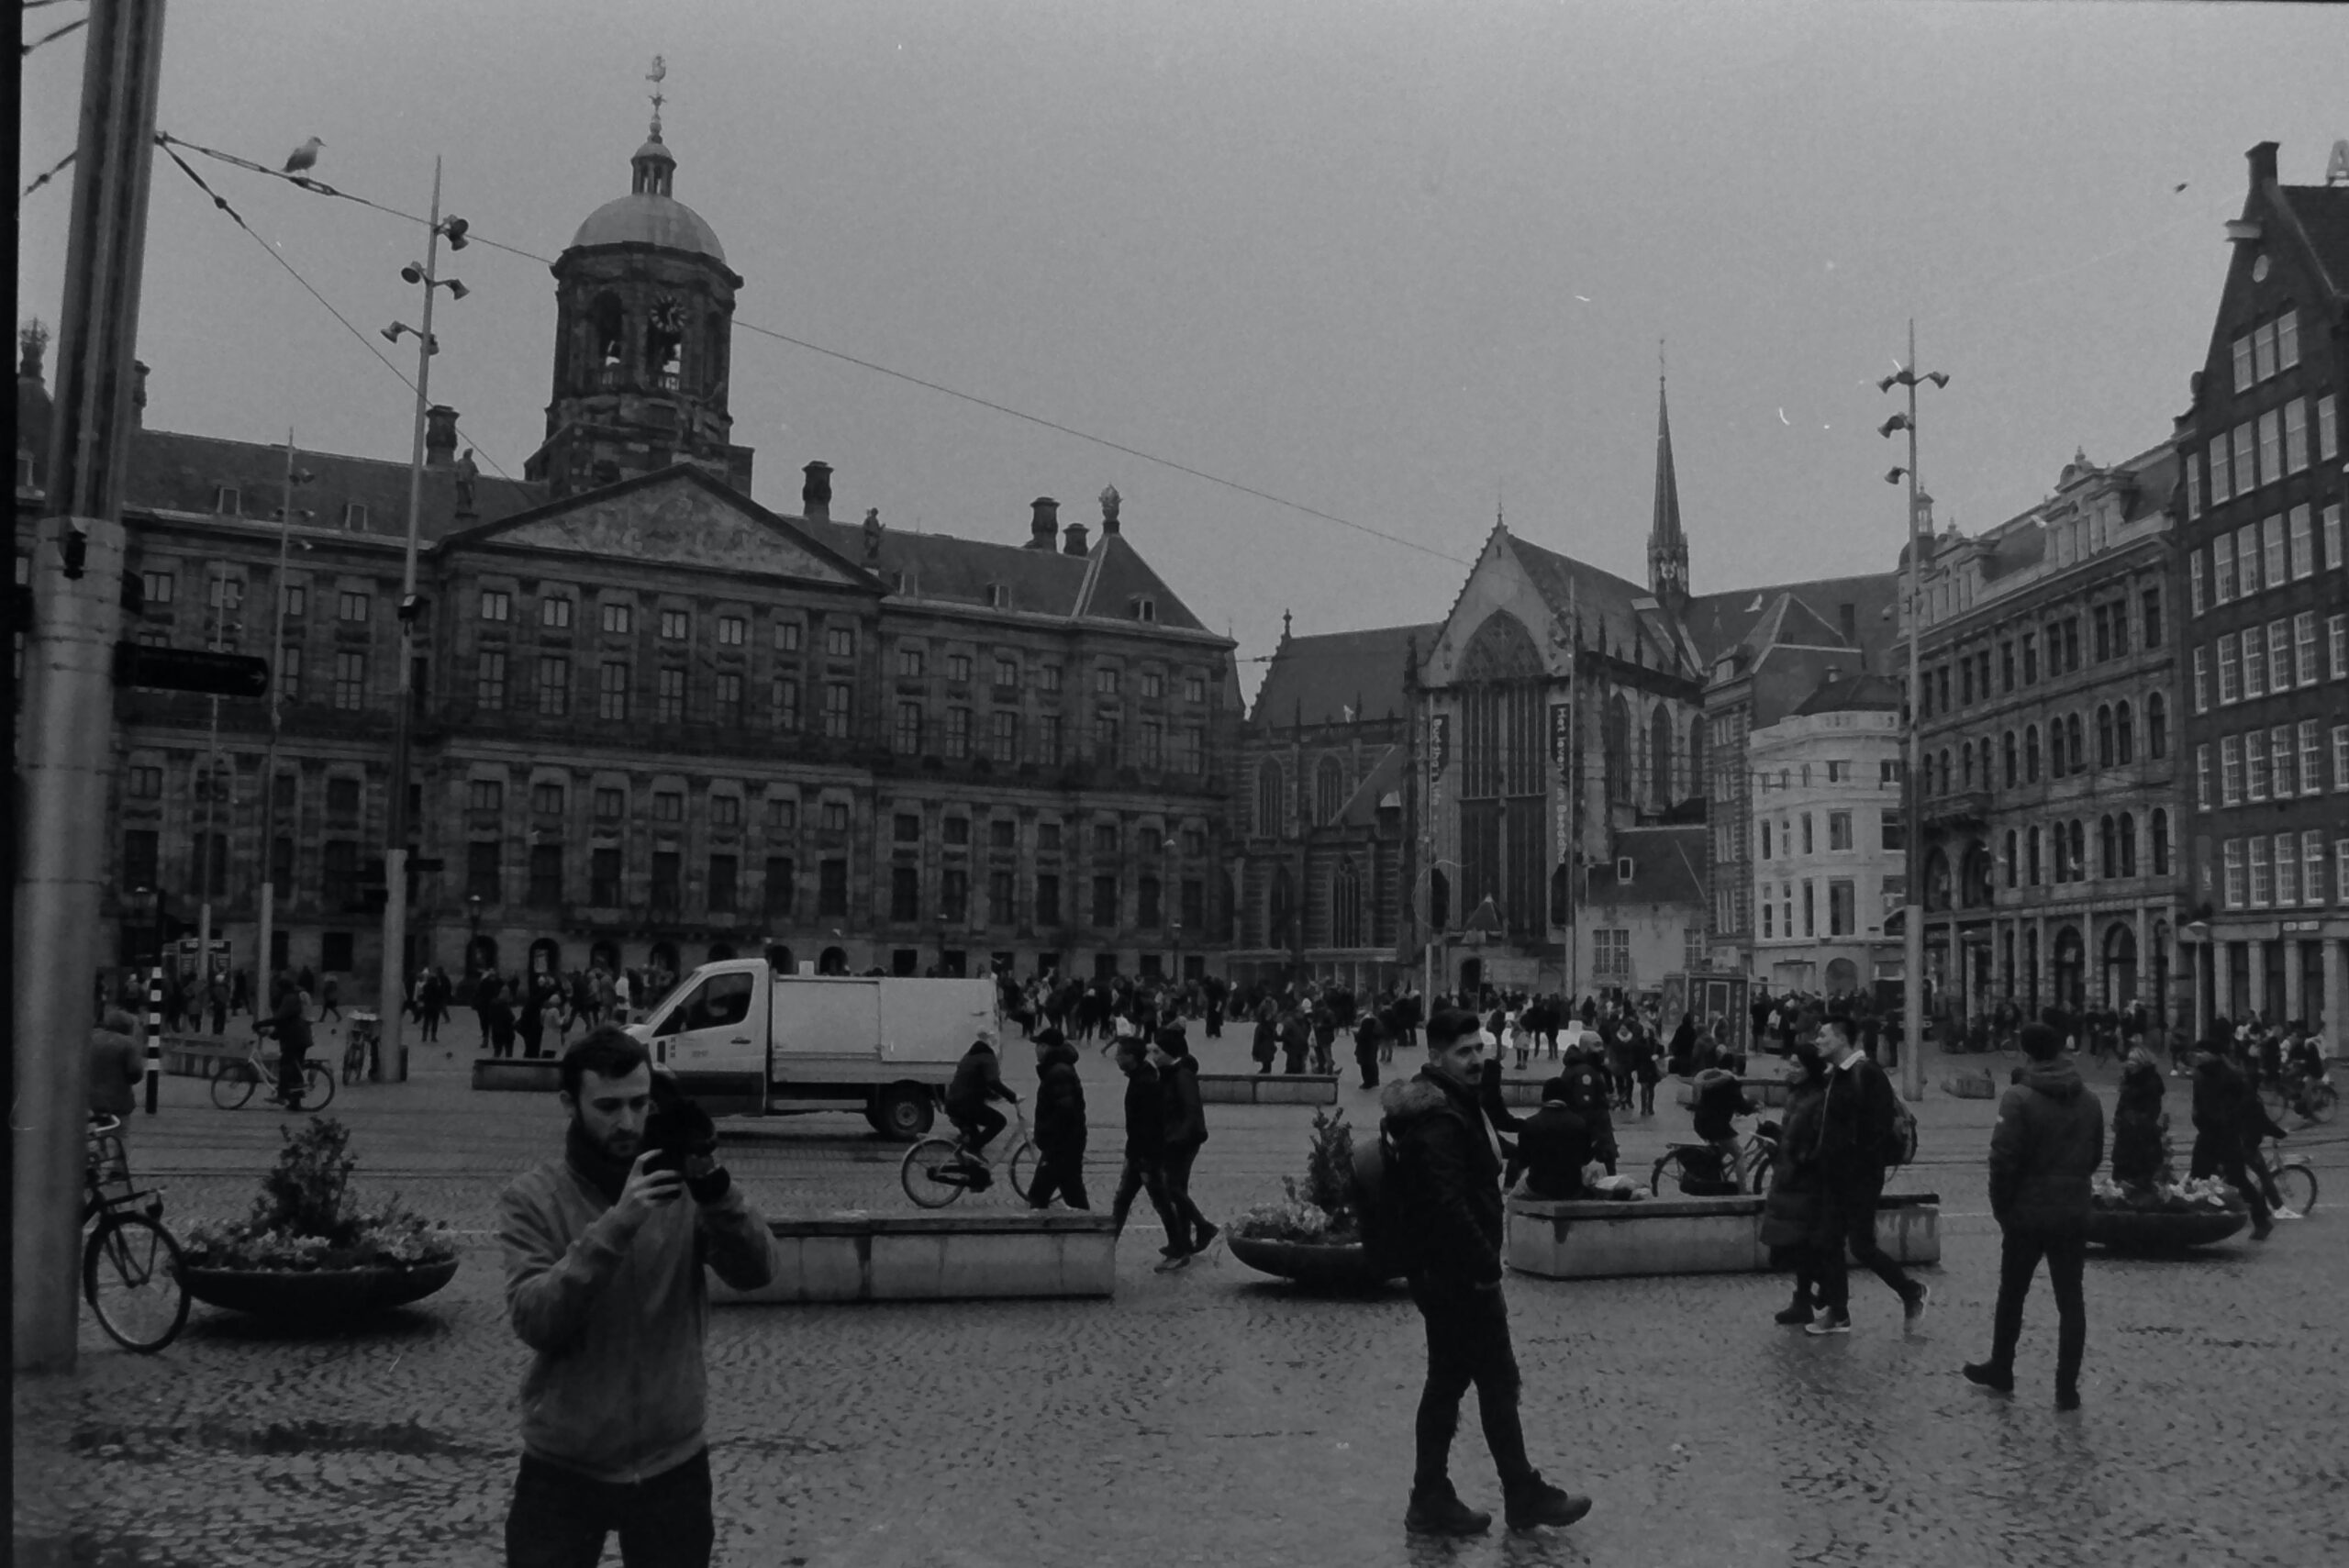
[
  {"x": 1321, "y": 1207},
  {"x": 304, "y": 1218}
]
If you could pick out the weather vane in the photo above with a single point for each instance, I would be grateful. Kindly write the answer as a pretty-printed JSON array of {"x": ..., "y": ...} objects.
[{"x": 658, "y": 75}]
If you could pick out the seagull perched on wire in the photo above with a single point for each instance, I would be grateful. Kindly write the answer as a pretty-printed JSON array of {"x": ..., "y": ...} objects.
[{"x": 304, "y": 157}]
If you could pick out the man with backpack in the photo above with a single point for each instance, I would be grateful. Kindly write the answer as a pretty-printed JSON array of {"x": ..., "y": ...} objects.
[
  {"x": 1863, "y": 1131},
  {"x": 1441, "y": 1212}
]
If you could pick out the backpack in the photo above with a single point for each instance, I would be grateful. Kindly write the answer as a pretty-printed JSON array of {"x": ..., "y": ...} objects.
[{"x": 1377, "y": 1183}]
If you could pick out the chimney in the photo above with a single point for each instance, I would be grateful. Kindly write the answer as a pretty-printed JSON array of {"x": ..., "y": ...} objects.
[
  {"x": 440, "y": 436},
  {"x": 1073, "y": 539},
  {"x": 139, "y": 394},
  {"x": 1044, "y": 523},
  {"x": 1109, "y": 511},
  {"x": 2263, "y": 165},
  {"x": 816, "y": 493}
]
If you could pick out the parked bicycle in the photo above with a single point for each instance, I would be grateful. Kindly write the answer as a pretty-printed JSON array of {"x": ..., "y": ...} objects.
[
  {"x": 938, "y": 1169},
  {"x": 2293, "y": 1176},
  {"x": 131, "y": 1265},
  {"x": 2309, "y": 1097},
  {"x": 237, "y": 1079},
  {"x": 1704, "y": 1170},
  {"x": 365, "y": 1038}
]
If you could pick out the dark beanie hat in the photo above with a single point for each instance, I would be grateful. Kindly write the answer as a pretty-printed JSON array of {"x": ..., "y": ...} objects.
[
  {"x": 1049, "y": 1035},
  {"x": 1172, "y": 1041},
  {"x": 2040, "y": 1043},
  {"x": 1559, "y": 1089}
]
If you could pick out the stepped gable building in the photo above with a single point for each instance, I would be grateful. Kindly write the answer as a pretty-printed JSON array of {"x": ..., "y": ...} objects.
[
  {"x": 1324, "y": 862},
  {"x": 2047, "y": 728},
  {"x": 655, "y": 721},
  {"x": 2265, "y": 587}
]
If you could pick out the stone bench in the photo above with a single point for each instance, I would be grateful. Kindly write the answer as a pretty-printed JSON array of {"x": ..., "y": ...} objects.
[
  {"x": 1268, "y": 1089},
  {"x": 526, "y": 1074},
  {"x": 1686, "y": 1236},
  {"x": 934, "y": 1257}
]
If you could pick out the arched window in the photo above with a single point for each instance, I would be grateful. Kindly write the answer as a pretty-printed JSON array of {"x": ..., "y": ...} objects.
[
  {"x": 1696, "y": 755},
  {"x": 1269, "y": 791},
  {"x": 1937, "y": 881},
  {"x": 1329, "y": 792},
  {"x": 1966, "y": 755},
  {"x": 1280, "y": 908},
  {"x": 1615, "y": 739},
  {"x": 2156, "y": 726},
  {"x": 2055, "y": 747},
  {"x": 2080, "y": 851},
  {"x": 2072, "y": 746},
  {"x": 2119, "y": 965},
  {"x": 2128, "y": 845},
  {"x": 1660, "y": 756},
  {"x": 2031, "y": 753},
  {"x": 1973, "y": 877},
  {"x": 1945, "y": 789},
  {"x": 2105, "y": 755},
  {"x": 2124, "y": 734},
  {"x": 1439, "y": 901},
  {"x": 2011, "y": 775},
  {"x": 2031, "y": 866},
  {"x": 1345, "y": 906},
  {"x": 608, "y": 338},
  {"x": 2160, "y": 841},
  {"x": 2109, "y": 860},
  {"x": 713, "y": 354},
  {"x": 2011, "y": 868}
]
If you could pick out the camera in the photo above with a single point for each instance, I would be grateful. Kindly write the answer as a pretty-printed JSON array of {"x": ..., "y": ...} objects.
[{"x": 677, "y": 1132}]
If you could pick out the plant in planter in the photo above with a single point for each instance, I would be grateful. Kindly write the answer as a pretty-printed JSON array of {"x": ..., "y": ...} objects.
[
  {"x": 1313, "y": 1233},
  {"x": 306, "y": 1247}
]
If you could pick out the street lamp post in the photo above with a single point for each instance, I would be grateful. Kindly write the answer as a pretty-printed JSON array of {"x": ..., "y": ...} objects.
[
  {"x": 1912, "y": 925},
  {"x": 393, "y": 1058},
  {"x": 265, "y": 939}
]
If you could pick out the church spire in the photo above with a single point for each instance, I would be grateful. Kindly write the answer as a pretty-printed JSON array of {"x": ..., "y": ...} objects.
[{"x": 1668, "y": 545}]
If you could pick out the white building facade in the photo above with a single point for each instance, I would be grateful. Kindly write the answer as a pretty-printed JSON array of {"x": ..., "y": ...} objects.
[{"x": 1826, "y": 838}]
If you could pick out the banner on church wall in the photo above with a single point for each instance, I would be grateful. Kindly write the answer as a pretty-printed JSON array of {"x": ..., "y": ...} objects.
[
  {"x": 1561, "y": 733},
  {"x": 1442, "y": 741}
]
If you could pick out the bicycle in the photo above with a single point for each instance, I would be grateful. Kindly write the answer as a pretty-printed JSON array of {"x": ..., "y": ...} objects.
[
  {"x": 1703, "y": 1165},
  {"x": 365, "y": 1037},
  {"x": 130, "y": 1267},
  {"x": 2312, "y": 1098},
  {"x": 938, "y": 1169},
  {"x": 236, "y": 1079},
  {"x": 2293, "y": 1176}
]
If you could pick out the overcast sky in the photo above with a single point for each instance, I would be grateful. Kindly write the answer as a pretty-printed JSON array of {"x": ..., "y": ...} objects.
[{"x": 1394, "y": 262}]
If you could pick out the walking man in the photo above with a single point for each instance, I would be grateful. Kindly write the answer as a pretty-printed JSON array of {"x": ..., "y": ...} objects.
[
  {"x": 1145, "y": 1143},
  {"x": 1448, "y": 1199},
  {"x": 1187, "y": 1133},
  {"x": 1858, "y": 1126},
  {"x": 1060, "y": 1124},
  {"x": 604, "y": 1254},
  {"x": 2049, "y": 1140}
]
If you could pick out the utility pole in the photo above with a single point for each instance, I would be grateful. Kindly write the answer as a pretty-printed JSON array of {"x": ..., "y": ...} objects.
[
  {"x": 67, "y": 735},
  {"x": 265, "y": 942}
]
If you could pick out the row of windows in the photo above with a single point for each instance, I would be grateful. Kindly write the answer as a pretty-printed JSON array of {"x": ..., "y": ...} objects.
[
  {"x": 2263, "y": 451},
  {"x": 2273, "y": 659},
  {"x": 2267, "y": 350},
  {"x": 2263, "y": 873},
  {"x": 2018, "y": 761},
  {"x": 618, "y": 618},
  {"x": 1842, "y": 907},
  {"x": 1781, "y": 843},
  {"x": 2110, "y": 630},
  {"x": 913, "y": 735},
  {"x": 2271, "y": 553},
  {"x": 2065, "y": 844},
  {"x": 2271, "y": 765}
]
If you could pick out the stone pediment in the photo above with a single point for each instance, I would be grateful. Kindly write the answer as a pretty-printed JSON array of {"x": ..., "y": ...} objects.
[{"x": 677, "y": 520}]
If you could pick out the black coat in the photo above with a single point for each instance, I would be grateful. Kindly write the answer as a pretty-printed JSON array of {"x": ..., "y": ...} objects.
[
  {"x": 1856, "y": 1124},
  {"x": 1447, "y": 1180},
  {"x": 1060, "y": 1103},
  {"x": 1555, "y": 1146},
  {"x": 1146, "y": 1115},
  {"x": 1187, "y": 1119},
  {"x": 2048, "y": 1143}
]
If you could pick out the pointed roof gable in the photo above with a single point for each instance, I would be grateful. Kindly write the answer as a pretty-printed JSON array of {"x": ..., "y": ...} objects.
[
  {"x": 1720, "y": 622},
  {"x": 1340, "y": 677},
  {"x": 1667, "y": 542},
  {"x": 1605, "y": 611},
  {"x": 681, "y": 516}
]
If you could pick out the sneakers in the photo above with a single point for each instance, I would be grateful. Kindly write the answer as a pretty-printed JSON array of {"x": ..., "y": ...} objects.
[
  {"x": 1537, "y": 1503},
  {"x": 1912, "y": 1309},
  {"x": 1204, "y": 1239},
  {"x": 1828, "y": 1323},
  {"x": 1794, "y": 1314},
  {"x": 1442, "y": 1513},
  {"x": 1982, "y": 1374},
  {"x": 1168, "y": 1266},
  {"x": 2285, "y": 1214}
]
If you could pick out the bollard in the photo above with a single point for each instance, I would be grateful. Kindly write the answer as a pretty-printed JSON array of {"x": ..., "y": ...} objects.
[{"x": 154, "y": 1037}]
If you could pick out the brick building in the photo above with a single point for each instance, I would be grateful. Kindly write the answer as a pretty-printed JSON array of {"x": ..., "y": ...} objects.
[
  {"x": 2266, "y": 586},
  {"x": 655, "y": 721}
]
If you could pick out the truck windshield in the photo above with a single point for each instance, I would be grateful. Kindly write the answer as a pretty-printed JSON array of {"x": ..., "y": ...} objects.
[{"x": 716, "y": 1003}]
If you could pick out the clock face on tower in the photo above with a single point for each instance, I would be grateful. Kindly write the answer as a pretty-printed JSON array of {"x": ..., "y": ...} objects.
[{"x": 668, "y": 315}]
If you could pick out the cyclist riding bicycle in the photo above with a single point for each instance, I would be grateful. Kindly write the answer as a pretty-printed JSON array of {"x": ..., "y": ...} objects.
[
  {"x": 978, "y": 1079},
  {"x": 1720, "y": 1100},
  {"x": 2303, "y": 1064}
]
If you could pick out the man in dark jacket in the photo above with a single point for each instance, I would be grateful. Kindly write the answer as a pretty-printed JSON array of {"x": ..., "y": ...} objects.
[
  {"x": 1590, "y": 1093},
  {"x": 1447, "y": 1192},
  {"x": 2224, "y": 1106},
  {"x": 1145, "y": 1148},
  {"x": 978, "y": 1080},
  {"x": 2049, "y": 1140},
  {"x": 1857, "y": 1126},
  {"x": 1554, "y": 1146},
  {"x": 1187, "y": 1131},
  {"x": 1060, "y": 1123},
  {"x": 290, "y": 1024}
]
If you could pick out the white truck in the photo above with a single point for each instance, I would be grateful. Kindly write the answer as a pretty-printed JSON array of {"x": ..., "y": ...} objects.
[{"x": 739, "y": 1037}]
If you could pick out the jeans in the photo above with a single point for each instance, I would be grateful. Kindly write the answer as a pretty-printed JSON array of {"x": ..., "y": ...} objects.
[
  {"x": 1176, "y": 1165},
  {"x": 2224, "y": 1156},
  {"x": 978, "y": 1124},
  {"x": 289, "y": 1071},
  {"x": 1854, "y": 1204},
  {"x": 2020, "y": 1251},
  {"x": 1144, "y": 1175},
  {"x": 560, "y": 1518},
  {"x": 1467, "y": 1343},
  {"x": 1062, "y": 1172}
]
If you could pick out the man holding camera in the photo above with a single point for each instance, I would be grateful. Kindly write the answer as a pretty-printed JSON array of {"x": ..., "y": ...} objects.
[{"x": 604, "y": 1255}]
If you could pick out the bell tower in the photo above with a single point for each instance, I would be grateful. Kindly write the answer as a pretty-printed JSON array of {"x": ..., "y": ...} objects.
[{"x": 644, "y": 315}]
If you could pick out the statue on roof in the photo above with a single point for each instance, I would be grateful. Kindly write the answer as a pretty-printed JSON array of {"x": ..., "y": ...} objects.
[
  {"x": 873, "y": 533},
  {"x": 468, "y": 475}
]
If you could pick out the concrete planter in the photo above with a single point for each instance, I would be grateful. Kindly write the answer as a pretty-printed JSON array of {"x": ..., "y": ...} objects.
[
  {"x": 1268, "y": 1089},
  {"x": 1685, "y": 1236},
  {"x": 2153, "y": 1231},
  {"x": 1341, "y": 1267},
  {"x": 313, "y": 1297},
  {"x": 939, "y": 1257}
]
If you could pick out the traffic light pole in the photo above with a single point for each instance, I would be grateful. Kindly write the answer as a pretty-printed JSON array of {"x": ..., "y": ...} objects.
[{"x": 67, "y": 734}]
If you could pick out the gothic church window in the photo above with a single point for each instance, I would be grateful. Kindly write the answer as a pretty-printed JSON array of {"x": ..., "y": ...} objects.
[
  {"x": 1328, "y": 793},
  {"x": 1268, "y": 800},
  {"x": 1660, "y": 756}
]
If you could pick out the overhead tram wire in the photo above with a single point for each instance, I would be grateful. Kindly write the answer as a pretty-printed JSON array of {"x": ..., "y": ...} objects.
[
  {"x": 222, "y": 202},
  {"x": 319, "y": 187},
  {"x": 52, "y": 172}
]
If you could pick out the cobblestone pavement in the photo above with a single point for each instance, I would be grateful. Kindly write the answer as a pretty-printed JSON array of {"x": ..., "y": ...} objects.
[{"x": 1206, "y": 1416}]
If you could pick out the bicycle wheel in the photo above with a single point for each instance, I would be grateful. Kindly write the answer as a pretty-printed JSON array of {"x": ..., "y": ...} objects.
[
  {"x": 2298, "y": 1183},
  {"x": 130, "y": 1276},
  {"x": 932, "y": 1172},
  {"x": 234, "y": 1085},
  {"x": 1024, "y": 1161},
  {"x": 1655, "y": 1177},
  {"x": 317, "y": 1087},
  {"x": 355, "y": 1062}
]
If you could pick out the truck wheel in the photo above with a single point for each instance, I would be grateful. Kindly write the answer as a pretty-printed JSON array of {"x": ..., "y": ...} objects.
[{"x": 902, "y": 1112}]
